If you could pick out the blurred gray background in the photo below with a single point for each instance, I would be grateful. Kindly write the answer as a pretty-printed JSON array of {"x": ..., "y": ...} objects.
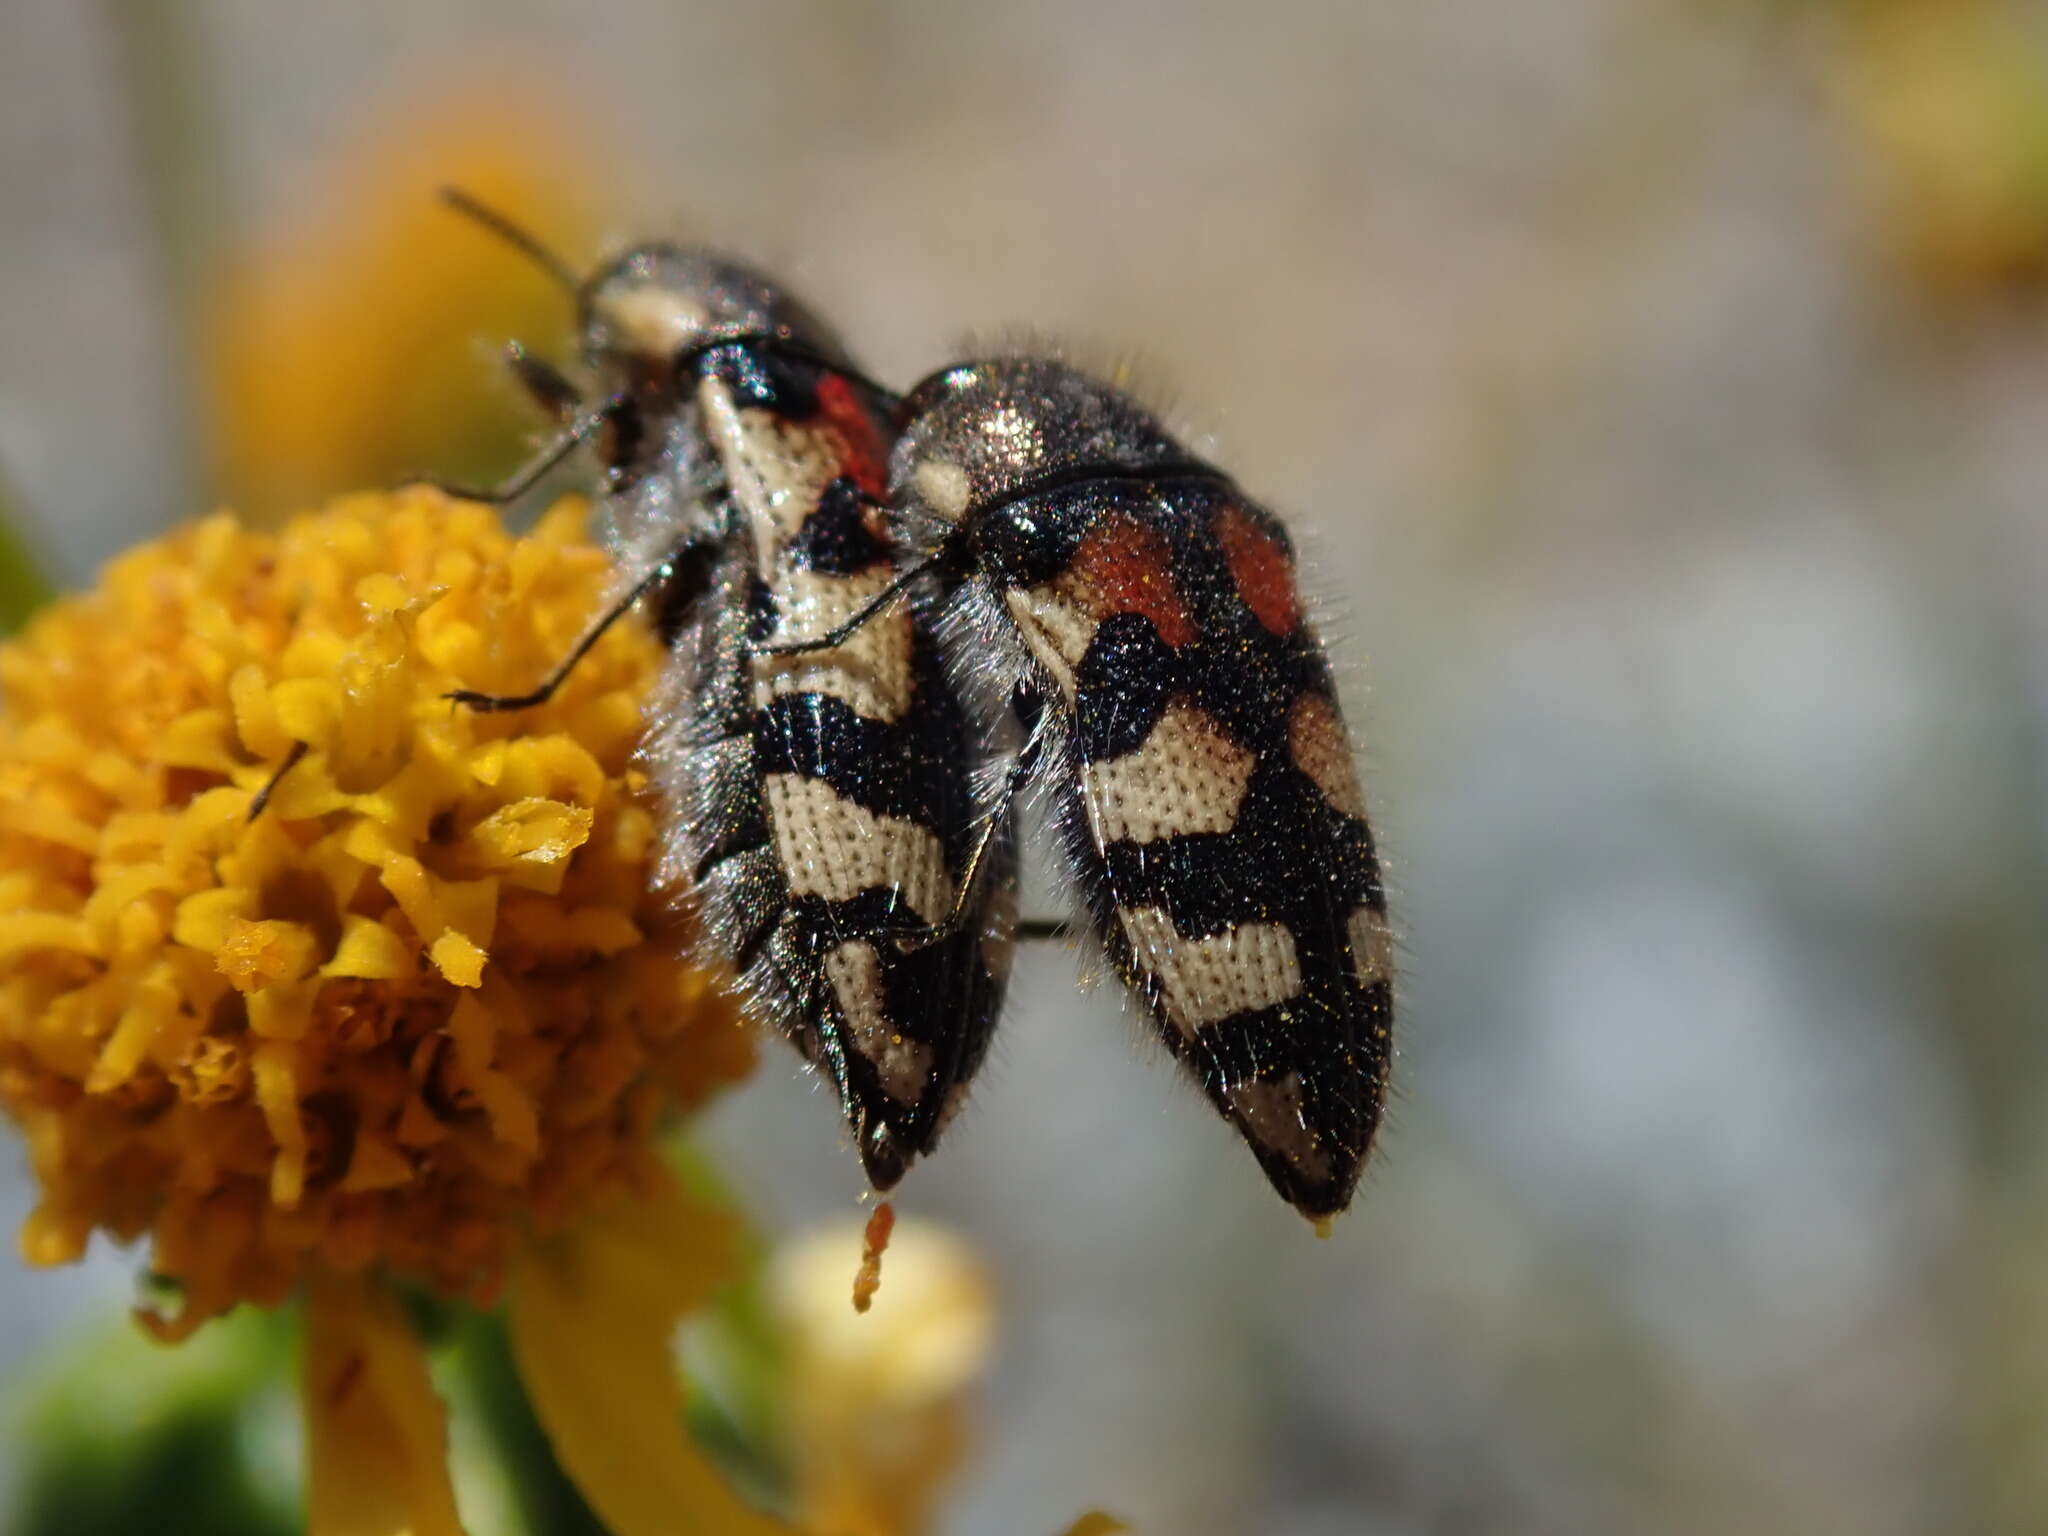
[{"x": 1660, "y": 384}]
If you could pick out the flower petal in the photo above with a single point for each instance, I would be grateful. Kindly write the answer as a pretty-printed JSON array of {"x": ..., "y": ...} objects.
[
  {"x": 592, "y": 1316},
  {"x": 878, "y": 1403},
  {"x": 376, "y": 1437}
]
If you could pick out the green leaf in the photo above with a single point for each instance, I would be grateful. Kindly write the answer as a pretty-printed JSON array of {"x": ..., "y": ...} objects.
[
  {"x": 734, "y": 1361},
  {"x": 117, "y": 1433}
]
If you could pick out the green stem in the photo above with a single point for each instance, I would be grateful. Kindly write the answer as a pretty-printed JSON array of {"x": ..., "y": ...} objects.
[{"x": 23, "y": 586}]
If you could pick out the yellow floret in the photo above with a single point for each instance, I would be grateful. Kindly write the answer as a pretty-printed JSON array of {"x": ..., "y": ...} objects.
[{"x": 424, "y": 1007}]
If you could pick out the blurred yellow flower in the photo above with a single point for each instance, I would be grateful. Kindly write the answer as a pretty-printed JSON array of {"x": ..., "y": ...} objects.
[
  {"x": 347, "y": 343},
  {"x": 1948, "y": 104},
  {"x": 878, "y": 1402},
  {"x": 416, "y": 1021}
]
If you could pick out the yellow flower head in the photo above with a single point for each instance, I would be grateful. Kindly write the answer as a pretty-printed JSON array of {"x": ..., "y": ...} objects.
[{"x": 422, "y": 1009}]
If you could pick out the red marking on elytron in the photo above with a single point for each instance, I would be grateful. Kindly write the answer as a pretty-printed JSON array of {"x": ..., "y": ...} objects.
[
  {"x": 866, "y": 457},
  {"x": 1128, "y": 568},
  {"x": 1261, "y": 569}
]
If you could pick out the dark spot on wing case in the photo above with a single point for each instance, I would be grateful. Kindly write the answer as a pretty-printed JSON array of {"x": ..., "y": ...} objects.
[
  {"x": 836, "y": 540},
  {"x": 1122, "y": 686}
]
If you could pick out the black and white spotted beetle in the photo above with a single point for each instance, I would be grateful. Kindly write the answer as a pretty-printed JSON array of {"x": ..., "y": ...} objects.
[
  {"x": 1141, "y": 614},
  {"x": 817, "y": 791}
]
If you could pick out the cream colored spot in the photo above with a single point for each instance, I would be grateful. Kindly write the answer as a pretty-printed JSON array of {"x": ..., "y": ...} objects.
[
  {"x": 1372, "y": 945},
  {"x": 943, "y": 486},
  {"x": 1057, "y": 629},
  {"x": 903, "y": 1065},
  {"x": 830, "y": 847},
  {"x": 1186, "y": 776},
  {"x": 1271, "y": 1112},
  {"x": 1320, "y": 749},
  {"x": 871, "y": 671},
  {"x": 777, "y": 469},
  {"x": 650, "y": 320},
  {"x": 1205, "y": 981}
]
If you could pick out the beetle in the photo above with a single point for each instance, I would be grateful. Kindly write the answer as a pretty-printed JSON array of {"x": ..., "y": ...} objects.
[
  {"x": 1140, "y": 615},
  {"x": 816, "y": 785}
]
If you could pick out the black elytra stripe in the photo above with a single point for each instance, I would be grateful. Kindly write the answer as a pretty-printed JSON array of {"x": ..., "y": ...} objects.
[
  {"x": 1336, "y": 1021},
  {"x": 917, "y": 985},
  {"x": 1247, "y": 679},
  {"x": 1289, "y": 858},
  {"x": 1288, "y": 844},
  {"x": 1333, "y": 1037},
  {"x": 1245, "y": 684},
  {"x": 889, "y": 768},
  {"x": 1248, "y": 683},
  {"x": 1338, "y": 1053},
  {"x": 835, "y": 539},
  {"x": 873, "y": 913},
  {"x": 1122, "y": 686},
  {"x": 929, "y": 992},
  {"x": 913, "y": 768},
  {"x": 1271, "y": 1042},
  {"x": 935, "y": 996}
]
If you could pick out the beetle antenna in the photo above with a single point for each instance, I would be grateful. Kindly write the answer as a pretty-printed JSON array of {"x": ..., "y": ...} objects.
[{"x": 514, "y": 235}]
